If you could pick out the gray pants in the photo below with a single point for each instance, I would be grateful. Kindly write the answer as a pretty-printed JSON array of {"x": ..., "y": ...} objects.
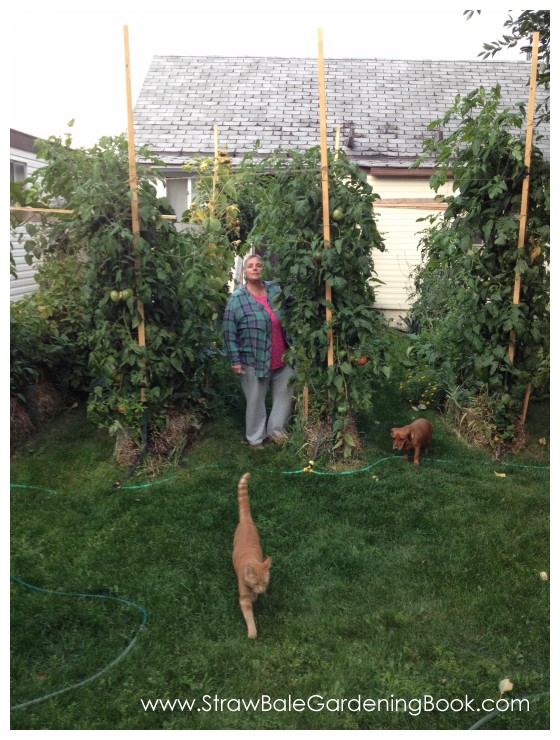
[{"x": 255, "y": 389}]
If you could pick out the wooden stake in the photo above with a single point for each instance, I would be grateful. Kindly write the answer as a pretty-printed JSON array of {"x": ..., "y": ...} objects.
[
  {"x": 215, "y": 181},
  {"x": 325, "y": 184},
  {"x": 526, "y": 403},
  {"x": 525, "y": 188},
  {"x": 28, "y": 209},
  {"x": 336, "y": 143},
  {"x": 134, "y": 203},
  {"x": 306, "y": 388}
]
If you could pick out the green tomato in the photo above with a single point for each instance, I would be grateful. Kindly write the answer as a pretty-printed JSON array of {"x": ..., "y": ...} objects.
[
  {"x": 338, "y": 214},
  {"x": 127, "y": 293},
  {"x": 115, "y": 296}
]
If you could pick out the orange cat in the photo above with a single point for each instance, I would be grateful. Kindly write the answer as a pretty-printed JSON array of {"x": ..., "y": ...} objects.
[{"x": 252, "y": 573}]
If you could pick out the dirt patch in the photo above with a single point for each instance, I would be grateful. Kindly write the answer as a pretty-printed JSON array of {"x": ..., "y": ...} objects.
[
  {"x": 21, "y": 426},
  {"x": 163, "y": 446},
  {"x": 320, "y": 441},
  {"x": 474, "y": 426},
  {"x": 43, "y": 401}
]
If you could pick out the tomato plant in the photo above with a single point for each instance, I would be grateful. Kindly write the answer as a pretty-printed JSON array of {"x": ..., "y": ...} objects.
[
  {"x": 179, "y": 283},
  {"x": 288, "y": 227},
  {"x": 473, "y": 252}
]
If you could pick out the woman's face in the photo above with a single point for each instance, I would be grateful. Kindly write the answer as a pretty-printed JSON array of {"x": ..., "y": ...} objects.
[{"x": 253, "y": 269}]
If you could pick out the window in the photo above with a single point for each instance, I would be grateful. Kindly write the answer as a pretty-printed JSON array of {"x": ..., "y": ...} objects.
[
  {"x": 18, "y": 171},
  {"x": 180, "y": 191}
]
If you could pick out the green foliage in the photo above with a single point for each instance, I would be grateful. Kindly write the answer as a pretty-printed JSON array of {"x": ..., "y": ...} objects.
[
  {"x": 171, "y": 283},
  {"x": 48, "y": 329},
  {"x": 521, "y": 29},
  {"x": 423, "y": 388},
  {"x": 474, "y": 248},
  {"x": 288, "y": 230},
  {"x": 28, "y": 340},
  {"x": 214, "y": 207}
]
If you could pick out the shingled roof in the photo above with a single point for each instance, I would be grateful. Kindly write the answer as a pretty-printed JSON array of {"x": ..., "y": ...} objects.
[{"x": 383, "y": 106}]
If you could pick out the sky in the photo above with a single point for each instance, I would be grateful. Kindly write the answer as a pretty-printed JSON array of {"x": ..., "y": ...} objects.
[{"x": 70, "y": 64}]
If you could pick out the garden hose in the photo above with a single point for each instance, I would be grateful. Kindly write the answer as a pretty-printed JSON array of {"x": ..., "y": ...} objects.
[
  {"x": 302, "y": 471},
  {"x": 309, "y": 469},
  {"x": 484, "y": 720},
  {"x": 113, "y": 663}
]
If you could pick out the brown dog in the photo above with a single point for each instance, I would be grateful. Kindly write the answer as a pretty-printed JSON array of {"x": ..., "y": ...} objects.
[{"x": 413, "y": 437}]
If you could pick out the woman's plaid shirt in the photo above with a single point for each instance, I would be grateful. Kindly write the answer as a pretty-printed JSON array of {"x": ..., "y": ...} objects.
[{"x": 248, "y": 329}]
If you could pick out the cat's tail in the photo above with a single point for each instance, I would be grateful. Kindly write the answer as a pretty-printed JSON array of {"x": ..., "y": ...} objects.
[{"x": 243, "y": 497}]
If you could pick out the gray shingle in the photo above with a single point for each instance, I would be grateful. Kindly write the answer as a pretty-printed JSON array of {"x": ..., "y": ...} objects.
[{"x": 390, "y": 103}]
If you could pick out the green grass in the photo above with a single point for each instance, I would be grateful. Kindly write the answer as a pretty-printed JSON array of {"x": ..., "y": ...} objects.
[{"x": 395, "y": 581}]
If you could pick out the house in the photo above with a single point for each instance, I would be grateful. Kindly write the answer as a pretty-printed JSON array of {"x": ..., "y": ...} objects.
[
  {"x": 383, "y": 108},
  {"x": 23, "y": 161}
]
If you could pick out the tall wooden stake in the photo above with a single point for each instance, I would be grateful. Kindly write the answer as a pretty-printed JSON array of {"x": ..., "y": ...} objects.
[
  {"x": 526, "y": 403},
  {"x": 216, "y": 165},
  {"x": 325, "y": 184},
  {"x": 525, "y": 201},
  {"x": 134, "y": 202},
  {"x": 306, "y": 388},
  {"x": 525, "y": 188},
  {"x": 336, "y": 143}
]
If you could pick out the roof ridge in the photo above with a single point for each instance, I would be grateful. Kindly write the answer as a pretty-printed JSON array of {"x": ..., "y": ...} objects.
[{"x": 342, "y": 59}]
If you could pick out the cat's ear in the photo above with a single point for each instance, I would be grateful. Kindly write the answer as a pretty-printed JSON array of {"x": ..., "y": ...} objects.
[{"x": 267, "y": 563}]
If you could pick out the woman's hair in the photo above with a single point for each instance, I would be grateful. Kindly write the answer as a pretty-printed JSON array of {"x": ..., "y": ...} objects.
[{"x": 251, "y": 257}]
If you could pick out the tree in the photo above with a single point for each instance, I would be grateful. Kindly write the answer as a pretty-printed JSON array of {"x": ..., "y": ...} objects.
[{"x": 521, "y": 30}]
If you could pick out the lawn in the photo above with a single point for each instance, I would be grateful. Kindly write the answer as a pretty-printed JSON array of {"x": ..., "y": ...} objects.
[{"x": 416, "y": 589}]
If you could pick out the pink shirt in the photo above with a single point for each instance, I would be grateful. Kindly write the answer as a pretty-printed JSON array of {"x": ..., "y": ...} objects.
[{"x": 279, "y": 345}]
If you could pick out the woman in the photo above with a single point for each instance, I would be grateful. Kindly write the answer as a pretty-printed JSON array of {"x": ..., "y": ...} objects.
[{"x": 255, "y": 344}]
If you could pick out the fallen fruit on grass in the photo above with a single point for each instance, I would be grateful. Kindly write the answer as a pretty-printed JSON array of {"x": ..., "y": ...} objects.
[
  {"x": 505, "y": 685},
  {"x": 543, "y": 575}
]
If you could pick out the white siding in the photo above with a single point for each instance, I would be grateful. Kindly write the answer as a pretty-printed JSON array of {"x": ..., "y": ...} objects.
[
  {"x": 400, "y": 230},
  {"x": 179, "y": 192},
  {"x": 25, "y": 282}
]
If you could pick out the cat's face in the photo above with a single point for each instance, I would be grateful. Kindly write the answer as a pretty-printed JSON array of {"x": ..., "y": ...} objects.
[{"x": 257, "y": 576}]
